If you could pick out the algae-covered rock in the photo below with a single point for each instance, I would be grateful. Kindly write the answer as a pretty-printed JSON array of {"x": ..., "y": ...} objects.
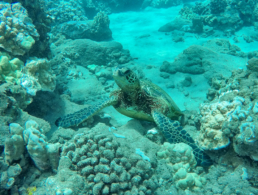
[
  {"x": 176, "y": 24},
  {"x": 205, "y": 60},
  {"x": 86, "y": 52},
  {"x": 253, "y": 64},
  {"x": 97, "y": 29}
]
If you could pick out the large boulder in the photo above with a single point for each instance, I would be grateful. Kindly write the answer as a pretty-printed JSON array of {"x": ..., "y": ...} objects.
[
  {"x": 176, "y": 24},
  {"x": 97, "y": 29},
  {"x": 86, "y": 52},
  {"x": 198, "y": 59},
  {"x": 193, "y": 60},
  {"x": 253, "y": 64}
]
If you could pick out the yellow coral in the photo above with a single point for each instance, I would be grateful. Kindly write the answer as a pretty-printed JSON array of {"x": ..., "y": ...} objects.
[{"x": 31, "y": 190}]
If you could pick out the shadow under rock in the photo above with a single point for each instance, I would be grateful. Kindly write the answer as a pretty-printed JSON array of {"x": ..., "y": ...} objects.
[{"x": 46, "y": 105}]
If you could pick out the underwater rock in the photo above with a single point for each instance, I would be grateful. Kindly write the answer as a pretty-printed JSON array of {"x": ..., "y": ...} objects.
[
  {"x": 253, "y": 64},
  {"x": 198, "y": 59},
  {"x": 177, "y": 24},
  {"x": 197, "y": 25},
  {"x": 218, "y": 6},
  {"x": 192, "y": 61},
  {"x": 86, "y": 52},
  {"x": 164, "y": 3},
  {"x": 224, "y": 46},
  {"x": 97, "y": 29},
  {"x": 187, "y": 82},
  {"x": 109, "y": 6}
]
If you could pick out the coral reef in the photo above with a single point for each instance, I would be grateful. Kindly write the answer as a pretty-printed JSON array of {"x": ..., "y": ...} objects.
[
  {"x": 34, "y": 76},
  {"x": 18, "y": 34},
  {"x": 217, "y": 6},
  {"x": 213, "y": 117},
  {"x": 8, "y": 175},
  {"x": 228, "y": 180},
  {"x": 232, "y": 115},
  {"x": 165, "y": 3},
  {"x": 41, "y": 20},
  {"x": 65, "y": 10},
  {"x": 181, "y": 162},
  {"x": 38, "y": 76},
  {"x": 227, "y": 16},
  {"x": 43, "y": 154},
  {"x": 104, "y": 166},
  {"x": 116, "y": 158},
  {"x": 66, "y": 181},
  {"x": 10, "y": 69},
  {"x": 9, "y": 111}
]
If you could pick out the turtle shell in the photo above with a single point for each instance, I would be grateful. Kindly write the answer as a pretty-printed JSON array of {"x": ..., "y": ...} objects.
[{"x": 150, "y": 96}]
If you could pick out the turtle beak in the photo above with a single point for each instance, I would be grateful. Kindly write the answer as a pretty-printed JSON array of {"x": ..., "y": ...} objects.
[{"x": 118, "y": 71}]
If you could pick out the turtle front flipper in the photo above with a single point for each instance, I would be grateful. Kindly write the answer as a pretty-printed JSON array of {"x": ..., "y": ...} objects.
[
  {"x": 85, "y": 113},
  {"x": 174, "y": 133}
]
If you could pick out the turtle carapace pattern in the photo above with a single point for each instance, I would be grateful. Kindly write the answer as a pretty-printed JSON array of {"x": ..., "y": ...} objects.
[{"x": 143, "y": 100}]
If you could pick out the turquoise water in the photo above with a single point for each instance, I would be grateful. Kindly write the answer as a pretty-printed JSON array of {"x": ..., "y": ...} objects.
[{"x": 143, "y": 97}]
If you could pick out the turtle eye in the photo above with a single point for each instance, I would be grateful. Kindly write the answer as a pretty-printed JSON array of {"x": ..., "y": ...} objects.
[{"x": 127, "y": 71}]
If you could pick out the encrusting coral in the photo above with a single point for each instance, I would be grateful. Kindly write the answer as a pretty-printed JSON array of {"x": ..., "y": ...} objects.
[
  {"x": 231, "y": 117},
  {"x": 38, "y": 76},
  {"x": 8, "y": 175},
  {"x": 17, "y": 33},
  {"x": 43, "y": 154},
  {"x": 181, "y": 162},
  {"x": 10, "y": 69}
]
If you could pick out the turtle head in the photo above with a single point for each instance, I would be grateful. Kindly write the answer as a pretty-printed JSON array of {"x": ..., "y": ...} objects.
[{"x": 126, "y": 79}]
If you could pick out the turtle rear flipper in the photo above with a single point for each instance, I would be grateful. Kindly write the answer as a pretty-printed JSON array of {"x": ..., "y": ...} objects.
[
  {"x": 174, "y": 133},
  {"x": 85, "y": 113}
]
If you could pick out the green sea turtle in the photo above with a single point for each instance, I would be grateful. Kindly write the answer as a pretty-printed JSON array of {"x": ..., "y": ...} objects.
[{"x": 141, "y": 99}]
